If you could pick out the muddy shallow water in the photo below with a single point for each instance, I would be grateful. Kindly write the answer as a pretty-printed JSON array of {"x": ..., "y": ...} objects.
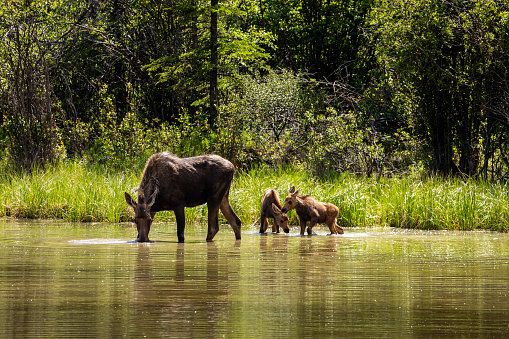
[{"x": 62, "y": 280}]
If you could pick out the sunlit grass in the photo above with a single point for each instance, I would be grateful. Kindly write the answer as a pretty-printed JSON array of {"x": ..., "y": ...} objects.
[
  {"x": 74, "y": 192},
  {"x": 68, "y": 191},
  {"x": 431, "y": 203}
]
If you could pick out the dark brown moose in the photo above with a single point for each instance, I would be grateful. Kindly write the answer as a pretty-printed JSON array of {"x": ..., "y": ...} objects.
[
  {"x": 309, "y": 209},
  {"x": 170, "y": 183},
  {"x": 271, "y": 208}
]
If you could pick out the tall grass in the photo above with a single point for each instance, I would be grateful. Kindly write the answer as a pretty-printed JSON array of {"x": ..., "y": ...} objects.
[
  {"x": 68, "y": 191},
  {"x": 407, "y": 202},
  {"x": 74, "y": 192}
]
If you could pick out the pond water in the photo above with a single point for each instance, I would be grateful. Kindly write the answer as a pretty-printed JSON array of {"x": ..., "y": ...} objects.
[{"x": 62, "y": 280}]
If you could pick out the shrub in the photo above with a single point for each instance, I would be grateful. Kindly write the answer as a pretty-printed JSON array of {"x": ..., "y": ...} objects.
[
  {"x": 337, "y": 144},
  {"x": 263, "y": 119}
]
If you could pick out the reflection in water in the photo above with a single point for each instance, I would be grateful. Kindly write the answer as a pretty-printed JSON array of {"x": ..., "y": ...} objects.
[
  {"x": 192, "y": 287},
  {"x": 213, "y": 286},
  {"x": 179, "y": 263},
  {"x": 66, "y": 282}
]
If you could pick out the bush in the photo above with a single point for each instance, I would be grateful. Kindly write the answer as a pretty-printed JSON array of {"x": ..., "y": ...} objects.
[
  {"x": 282, "y": 118},
  {"x": 278, "y": 119},
  {"x": 262, "y": 120},
  {"x": 337, "y": 144},
  {"x": 126, "y": 143}
]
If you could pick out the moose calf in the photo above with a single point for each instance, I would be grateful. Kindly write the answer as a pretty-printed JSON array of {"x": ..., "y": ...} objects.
[
  {"x": 271, "y": 208},
  {"x": 309, "y": 209}
]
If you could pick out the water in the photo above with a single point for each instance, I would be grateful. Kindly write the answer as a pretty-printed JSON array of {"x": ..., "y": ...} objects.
[{"x": 61, "y": 280}]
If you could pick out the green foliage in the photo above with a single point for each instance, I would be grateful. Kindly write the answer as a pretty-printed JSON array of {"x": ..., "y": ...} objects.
[
  {"x": 282, "y": 118},
  {"x": 265, "y": 118},
  {"x": 254, "y": 123},
  {"x": 400, "y": 84},
  {"x": 27, "y": 108},
  {"x": 240, "y": 48},
  {"x": 443, "y": 58},
  {"x": 125, "y": 144},
  {"x": 319, "y": 37},
  {"x": 68, "y": 191},
  {"x": 337, "y": 145}
]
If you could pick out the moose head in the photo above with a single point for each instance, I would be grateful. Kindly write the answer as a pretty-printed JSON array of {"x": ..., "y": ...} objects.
[
  {"x": 280, "y": 218},
  {"x": 292, "y": 200},
  {"x": 142, "y": 215}
]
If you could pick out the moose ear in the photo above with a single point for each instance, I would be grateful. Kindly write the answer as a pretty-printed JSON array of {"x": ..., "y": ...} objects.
[
  {"x": 275, "y": 209},
  {"x": 130, "y": 201},
  {"x": 292, "y": 189},
  {"x": 152, "y": 198}
]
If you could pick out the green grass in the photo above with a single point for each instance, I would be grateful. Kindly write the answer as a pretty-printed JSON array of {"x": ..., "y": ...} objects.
[
  {"x": 69, "y": 192},
  {"x": 74, "y": 192}
]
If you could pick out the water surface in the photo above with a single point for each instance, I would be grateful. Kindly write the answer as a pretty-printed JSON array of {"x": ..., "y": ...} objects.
[{"x": 62, "y": 280}]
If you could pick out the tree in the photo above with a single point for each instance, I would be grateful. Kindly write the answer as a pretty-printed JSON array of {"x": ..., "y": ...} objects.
[
  {"x": 444, "y": 56},
  {"x": 213, "y": 63},
  {"x": 27, "y": 29},
  {"x": 318, "y": 37},
  {"x": 217, "y": 41}
]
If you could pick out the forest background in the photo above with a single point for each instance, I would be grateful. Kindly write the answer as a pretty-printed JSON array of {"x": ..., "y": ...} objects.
[
  {"x": 361, "y": 86},
  {"x": 366, "y": 87}
]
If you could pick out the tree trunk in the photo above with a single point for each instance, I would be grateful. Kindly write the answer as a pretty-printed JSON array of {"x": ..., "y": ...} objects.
[{"x": 213, "y": 62}]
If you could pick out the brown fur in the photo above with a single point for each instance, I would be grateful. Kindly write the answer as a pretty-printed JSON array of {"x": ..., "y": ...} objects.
[
  {"x": 316, "y": 212},
  {"x": 271, "y": 208},
  {"x": 172, "y": 183}
]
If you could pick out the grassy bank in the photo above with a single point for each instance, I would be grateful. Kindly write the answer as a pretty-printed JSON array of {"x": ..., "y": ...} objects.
[{"x": 74, "y": 192}]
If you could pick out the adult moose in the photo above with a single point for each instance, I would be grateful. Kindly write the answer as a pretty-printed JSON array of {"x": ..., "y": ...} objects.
[
  {"x": 169, "y": 183},
  {"x": 312, "y": 210}
]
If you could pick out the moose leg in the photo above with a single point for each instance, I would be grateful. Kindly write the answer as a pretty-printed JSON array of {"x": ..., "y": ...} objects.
[
  {"x": 311, "y": 224},
  {"x": 275, "y": 228},
  {"x": 302, "y": 227},
  {"x": 264, "y": 223},
  {"x": 181, "y": 222},
  {"x": 331, "y": 222},
  {"x": 230, "y": 215},
  {"x": 213, "y": 221},
  {"x": 334, "y": 227}
]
